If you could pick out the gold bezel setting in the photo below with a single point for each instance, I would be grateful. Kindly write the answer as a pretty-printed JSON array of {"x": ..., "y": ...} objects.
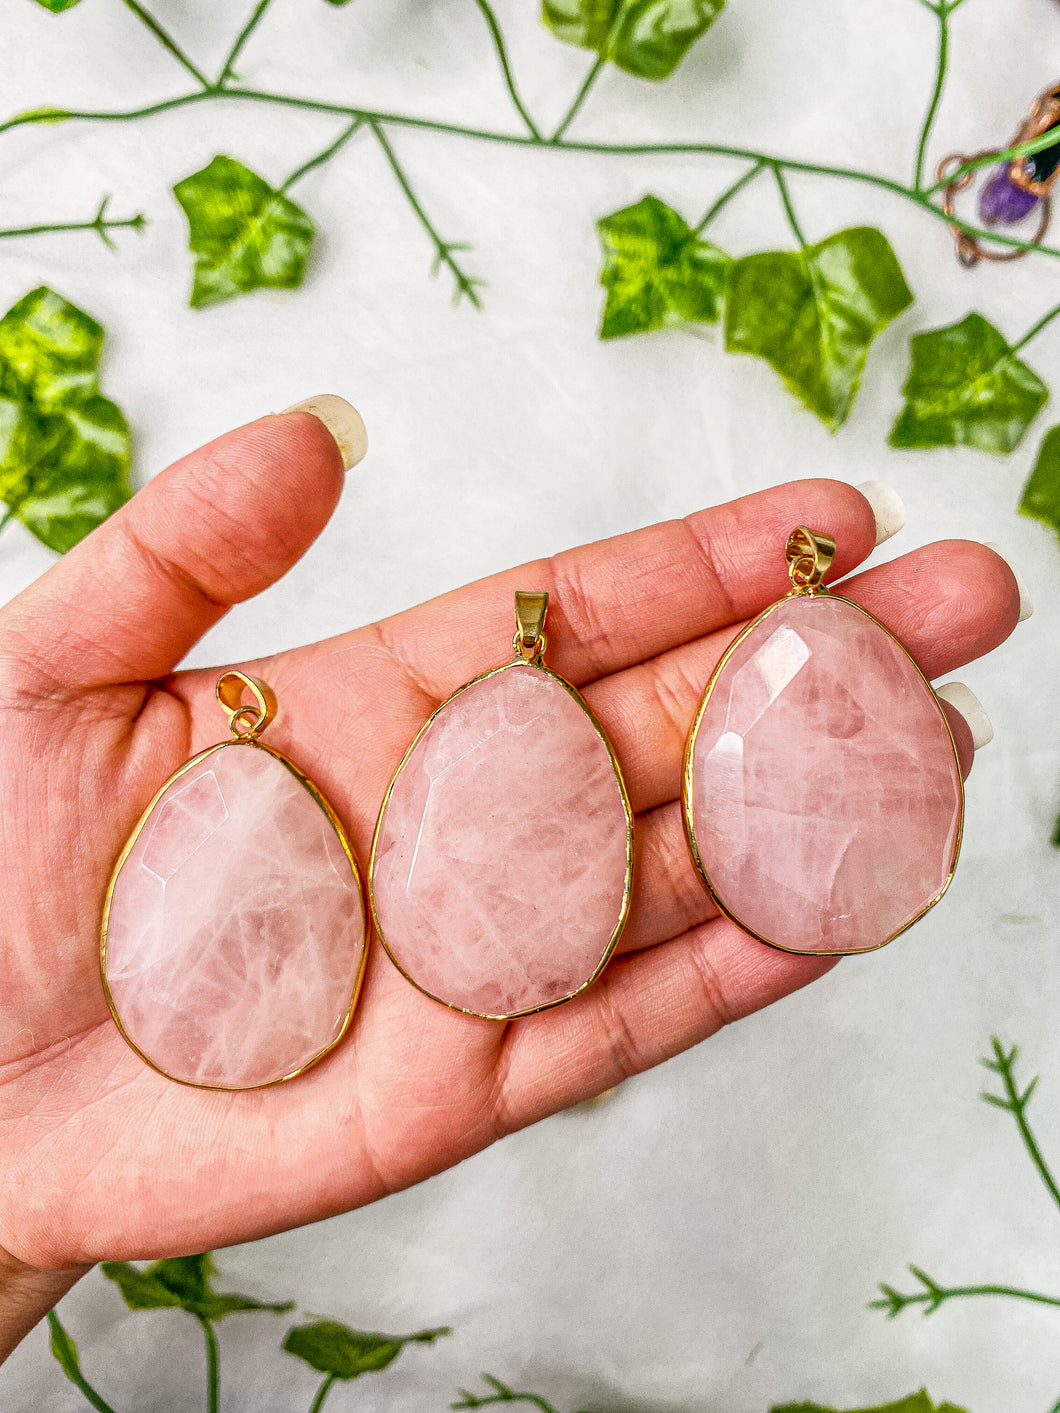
[
  {"x": 245, "y": 738},
  {"x": 688, "y": 786},
  {"x": 528, "y": 650}
]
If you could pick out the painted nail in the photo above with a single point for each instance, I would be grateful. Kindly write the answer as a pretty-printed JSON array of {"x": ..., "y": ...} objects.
[
  {"x": 342, "y": 420},
  {"x": 887, "y": 506},
  {"x": 596, "y": 1101},
  {"x": 1026, "y": 602},
  {"x": 971, "y": 708}
]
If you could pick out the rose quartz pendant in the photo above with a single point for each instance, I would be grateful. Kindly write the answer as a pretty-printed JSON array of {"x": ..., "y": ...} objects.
[
  {"x": 233, "y": 937},
  {"x": 823, "y": 796},
  {"x": 502, "y": 864}
]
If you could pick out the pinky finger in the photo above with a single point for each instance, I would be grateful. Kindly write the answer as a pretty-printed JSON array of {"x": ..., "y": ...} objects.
[{"x": 646, "y": 1008}]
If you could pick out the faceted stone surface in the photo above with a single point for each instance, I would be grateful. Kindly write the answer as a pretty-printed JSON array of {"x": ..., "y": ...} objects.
[
  {"x": 236, "y": 928},
  {"x": 826, "y": 794},
  {"x": 1002, "y": 202},
  {"x": 500, "y": 863}
]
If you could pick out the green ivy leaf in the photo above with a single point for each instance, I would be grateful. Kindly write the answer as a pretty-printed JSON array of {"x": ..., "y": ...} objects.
[
  {"x": 57, "y": 6},
  {"x": 657, "y": 271},
  {"x": 333, "y": 1348},
  {"x": 966, "y": 387},
  {"x": 141, "y": 1290},
  {"x": 243, "y": 234},
  {"x": 1041, "y": 493},
  {"x": 64, "y": 474},
  {"x": 182, "y": 1282},
  {"x": 64, "y": 448},
  {"x": 49, "y": 351},
  {"x": 915, "y": 1403},
  {"x": 813, "y": 313},
  {"x": 648, "y": 38}
]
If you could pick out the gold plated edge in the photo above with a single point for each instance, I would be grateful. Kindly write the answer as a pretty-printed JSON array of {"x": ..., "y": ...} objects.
[
  {"x": 627, "y": 891},
  {"x": 316, "y": 794},
  {"x": 687, "y": 786}
]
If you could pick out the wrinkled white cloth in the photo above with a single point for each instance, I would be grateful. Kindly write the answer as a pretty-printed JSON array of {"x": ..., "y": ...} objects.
[{"x": 709, "y": 1237}]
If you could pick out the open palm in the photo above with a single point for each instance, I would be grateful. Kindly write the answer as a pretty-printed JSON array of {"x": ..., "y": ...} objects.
[{"x": 102, "y": 1157}]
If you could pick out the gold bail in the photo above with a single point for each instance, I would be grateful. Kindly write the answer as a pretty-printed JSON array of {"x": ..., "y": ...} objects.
[
  {"x": 530, "y": 611},
  {"x": 247, "y": 721},
  {"x": 809, "y": 555}
]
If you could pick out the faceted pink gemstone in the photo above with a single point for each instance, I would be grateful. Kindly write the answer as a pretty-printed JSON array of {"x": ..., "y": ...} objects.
[
  {"x": 827, "y": 798},
  {"x": 236, "y": 928},
  {"x": 501, "y": 857}
]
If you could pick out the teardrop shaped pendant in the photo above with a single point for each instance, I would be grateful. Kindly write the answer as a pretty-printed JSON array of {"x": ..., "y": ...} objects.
[
  {"x": 822, "y": 791},
  {"x": 502, "y": 864},
  {"x": 233, "y": 940}
]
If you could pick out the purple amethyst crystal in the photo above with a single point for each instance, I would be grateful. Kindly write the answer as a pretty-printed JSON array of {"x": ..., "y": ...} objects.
[{"x": 1002, "y": 202}]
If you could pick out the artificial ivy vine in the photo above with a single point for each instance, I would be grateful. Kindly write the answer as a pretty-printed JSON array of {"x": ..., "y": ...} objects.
[
  {"x": 185, "y": 1283},
  {"x": 811, "y": 311},
  {"x": 342, "y": 1354},
  {"x": 326, "y": 1346}
]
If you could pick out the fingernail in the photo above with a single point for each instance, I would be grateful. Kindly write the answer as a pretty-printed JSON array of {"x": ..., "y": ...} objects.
[
  {"x": 596, "y": 1100},
  {"x": 971, "y": 708},
  {"x": 1026, "y": 602},
  {"x": 342, "y": 420},
  {"x": 887, "y": 506}
]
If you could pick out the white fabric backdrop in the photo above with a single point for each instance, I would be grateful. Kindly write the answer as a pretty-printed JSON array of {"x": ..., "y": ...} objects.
[{"x": 710, "y": 1236}]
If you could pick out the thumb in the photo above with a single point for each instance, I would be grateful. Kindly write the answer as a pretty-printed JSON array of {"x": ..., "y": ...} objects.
[{"x": 217, "y": 527}]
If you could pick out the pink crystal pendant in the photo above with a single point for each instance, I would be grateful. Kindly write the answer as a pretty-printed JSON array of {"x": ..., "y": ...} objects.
[
  {"x": 233, "y": 939},
  {"x": 502, "y": 864},
  {"x": 823, "y": 798}
]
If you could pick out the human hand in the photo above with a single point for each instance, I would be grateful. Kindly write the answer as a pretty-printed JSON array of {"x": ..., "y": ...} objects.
[{"x": 101, "y": 1157}]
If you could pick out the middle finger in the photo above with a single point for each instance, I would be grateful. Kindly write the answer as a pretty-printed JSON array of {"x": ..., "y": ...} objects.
[{"x": 949, "y": 603}]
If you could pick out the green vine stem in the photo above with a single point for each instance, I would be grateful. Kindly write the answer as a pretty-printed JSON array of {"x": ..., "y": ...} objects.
[
  {"x": 318, "y": 161},
  {"x": 465, "y": 285},
  {"x": 501, "y": 1394},
  {"x": 1003, "y": 1063},
  {"x": 579, "y": 99},
  {"x": 380, "y": 119},
  {"x": 789, "y": 209},
  {"x": 916, "y": 193},
  {"x": 64, "y": 1349},
  {"x": 942, "y": 13},
  {"x": 1032, "y": 333},
  {"x": 213, "y": 1366},
  {"x": 933, "y": 1295},
  {"x": 1012, "y": 1101},
  {"x": 322, "y": 1393},
  {"x": 227, "y": 68},
  {"x": 506, "y": 69},
  {"x": 728, "y": 194},
  {"x": 99, "y": 223},
  {"x": 167, "y": 41}
]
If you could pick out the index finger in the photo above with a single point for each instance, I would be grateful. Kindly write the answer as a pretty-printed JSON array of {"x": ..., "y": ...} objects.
[{"x": 623, "y": 600}]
